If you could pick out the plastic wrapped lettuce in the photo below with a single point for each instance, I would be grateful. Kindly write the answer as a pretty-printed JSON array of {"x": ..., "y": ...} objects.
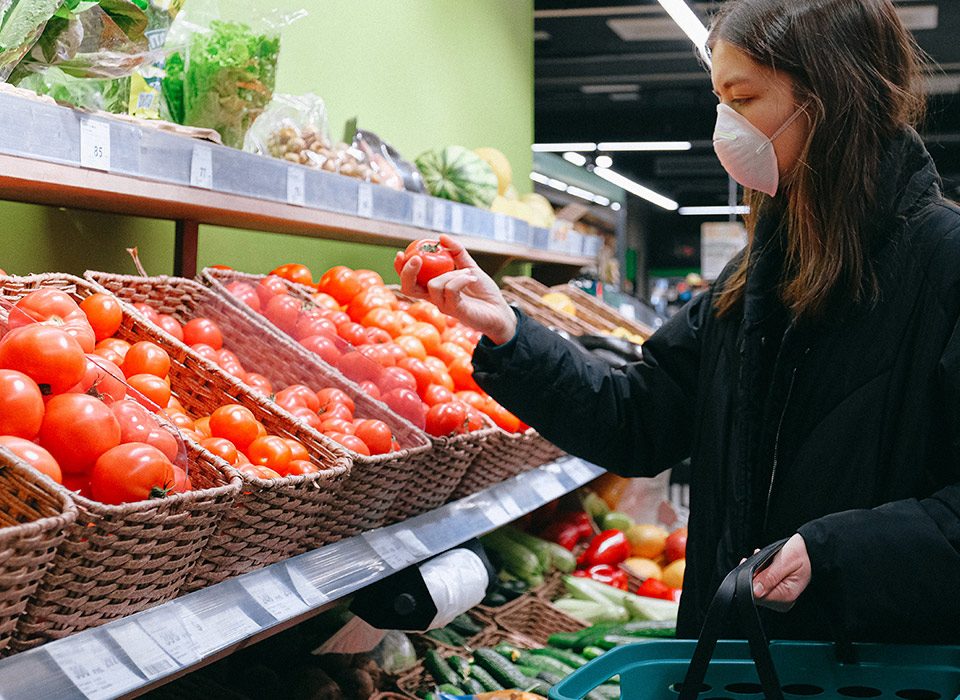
[{"x": 21, "y": 24}]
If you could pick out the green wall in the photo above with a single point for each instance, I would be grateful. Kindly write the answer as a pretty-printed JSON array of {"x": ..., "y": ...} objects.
[{"x": 420, "y": 73}]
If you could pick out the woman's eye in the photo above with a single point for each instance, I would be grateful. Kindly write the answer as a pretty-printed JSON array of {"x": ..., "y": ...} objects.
[{"x": 741, "y": 100}]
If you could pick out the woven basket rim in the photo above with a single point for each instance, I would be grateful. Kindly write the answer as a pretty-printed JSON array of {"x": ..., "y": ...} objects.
[{"x": 67, "y": 507}]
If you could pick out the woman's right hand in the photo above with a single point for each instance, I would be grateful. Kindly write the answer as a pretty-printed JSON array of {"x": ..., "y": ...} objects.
[{"x": 468, "y": 294}]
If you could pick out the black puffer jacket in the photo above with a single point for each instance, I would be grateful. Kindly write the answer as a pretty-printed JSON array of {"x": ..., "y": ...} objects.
[{"x": 846, "y": 431}]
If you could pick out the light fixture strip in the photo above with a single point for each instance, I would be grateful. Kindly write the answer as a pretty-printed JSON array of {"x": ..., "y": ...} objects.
[
  {"x": 562, "y": 147},
  {"x": 740, "y": 210},
  {"x": 636, "y": 188},
  {"x": 691, "y": 25},
  {"x": 644, "y": 146}
]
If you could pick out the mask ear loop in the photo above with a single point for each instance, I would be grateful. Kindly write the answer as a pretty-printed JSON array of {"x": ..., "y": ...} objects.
[{"x": 802, "y": 109}]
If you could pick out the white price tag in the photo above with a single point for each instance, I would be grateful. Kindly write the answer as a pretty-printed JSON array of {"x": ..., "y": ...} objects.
[
  {"x": 306, "y": 590},
  {"x": 201, "y": 167},
  {"x": 419, "y": 211},
  {"x": 496, "y": 514},
  {"x": 500, "y": 224},
  {"x": 456, "y": 218},
  {"x": 92, "y": 667},
  {"x": 390, "y": 548},
  {"x": 296, "y": 186},
  {"x": 94, "y": 144},
  {"x": 218, "y": 630},
  {"x": 166, "y": 628},
  {"x": 548, "y": 487},
  {"x": 272, "y": 595},
  {"x": 511, "y": 229},
  {"x": 413, "y": 544},
  {"x": 439, "y": 215},
  {"x": 365, "y": 200},
  {"x": 579, "y": 471},
  {"x": 152, "y": 661}
]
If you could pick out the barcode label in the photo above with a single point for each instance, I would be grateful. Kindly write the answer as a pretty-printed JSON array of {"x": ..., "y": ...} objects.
[
  {"x": 296, "y": 186},
  {"x": 419, "y": 211},
  {"x": 201, "y": 167},
  {"x": 548, "y": 487},
  {"x": 216, "y": 631},
  {"x": 142, "y": 650},
  {"x": 272, "y": 595},
  {"x": 92, "y": 667},
  {"x": 94, "y": 144},
  {"x": 439, "y": 215},
  {"x": 579, "y": 471},
  {"x": 365, "y": 200},
  {"x": 166, "y": 628},
  {"x": 390, "y": 548},
  {"x": 310, "y": 594}
]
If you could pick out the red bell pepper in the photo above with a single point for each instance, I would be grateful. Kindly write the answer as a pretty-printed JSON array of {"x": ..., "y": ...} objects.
[
  {"x": 569, "y": 530},
  {"x": 605, "y": 573},
  {"x": 609, "y": 547},
  {"x": 652, "y": 588}
]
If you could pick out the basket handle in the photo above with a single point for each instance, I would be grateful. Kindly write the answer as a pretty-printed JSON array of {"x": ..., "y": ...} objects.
[{"x": 736, "y": 590}]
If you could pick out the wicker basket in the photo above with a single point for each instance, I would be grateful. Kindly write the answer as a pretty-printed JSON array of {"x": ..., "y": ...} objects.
[
  {"x": 423, "y": 641},
  {"x": 535, "y": 619},
  {"x": 439, "y": 472},
  {"x": 374, "y": 482},
  {"x": 599, "y": 314},
  {"x": 529, "y": 302},
  {"x": 266, "y": 520},
  {"x": 34, "y": 517}
]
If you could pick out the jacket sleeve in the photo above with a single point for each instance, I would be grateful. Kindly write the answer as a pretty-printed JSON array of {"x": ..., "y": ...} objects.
[
  {"x": 633, "y": 421},
  {"x": 893, "y": 573}
]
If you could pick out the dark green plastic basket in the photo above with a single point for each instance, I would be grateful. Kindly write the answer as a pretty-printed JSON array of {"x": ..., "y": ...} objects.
[{"x": 660, "y": 669}]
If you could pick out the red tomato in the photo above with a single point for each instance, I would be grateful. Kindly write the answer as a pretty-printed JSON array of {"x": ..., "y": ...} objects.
[
  {"x": 298, "y": 395},
  {"x": 425, "y": 311},
  {"x": 422, "y": 374},
  {"x": 337, "y": 425},
  {"x": 21, "y": 405},
  {"x": 301, "y": 467},
  {"x": 164, "y": 441},
  {"x": 437, "y": 394},
  {"x": 377, "y": 336},
  {"x": 447, "y": 419},
  {"x": 331, "y": 395},
  {"x": 396, "y": 378},
  {"x": 148, "y": 312},
  {"x": 370, "y": 299},
  {"x": 353, "y": 333},
  {"x": 202, "y": 426},
  {"x": 407, "y": 404},
  {"x": 221, "y": 447},
  {"x": 411, "y": 346},
  {"x": 436, "y": 260},
  {"x": 295, "y": 272},
  {"x": 260, "y": 383},
  {"x": 312, "y": 323},
  {"x": 102, "y": 379},
  {"x": 283, "y": 311},
  {"x": 114, "y": 346},
  {"x": 376, "y": 435},
  {"x": 227, "y": 357},
  {"x": 448, "y": 352},
  {"x": 48, "y": 355},
  {"x": 150, "y": 387},
  {"x": 171, "y": 326},
  {"x": 336, "y": 410},
  {"x": 461, "y": 371},
  {"x": 146, "y": 358},
  {"x": 371, "y": 389},
  {"x": 246, "y": 293},
  {"x": 436, "y": 364},
  {"x": 475, "y": 419},
  {"x": 134, "y": 420},
  {"x": 131, "y": 472},
  {"x": 338, "y": 317},
  {"x": 202, "y": 330},
  {"x": 339, "y": 282},
  {"x": 236, "y": 423},
  {"x": 384, "y": 318},
  {"x": 269, "y": 287},
  {"x": 368, "y": 278},
  {"x": 357, "y": 367},
  {"x": 103, "y": 313},
  {"x": 323, "y": 347},
  {"x": 181, "y": 482},
  {"x": 206, "y": 352},
  {"x": 379, "y": 354},
  {"x": 269, "y": 451},
  {"x": 55, "y": 308},
  {"x": 306, "y": 415},
  {"x": 325, "y": 301},
  {"x": 427, "y": 334},
  {"x": 297, "y": 449},
  {"x": 472, "y": 398},
  {"x": 676, "y": 546},
  {"x": 502, "y": 417},
  {"x": 351, "y": 442},
  {"x": 34, "y": 455},
  {"x": 77, "y": 429}
]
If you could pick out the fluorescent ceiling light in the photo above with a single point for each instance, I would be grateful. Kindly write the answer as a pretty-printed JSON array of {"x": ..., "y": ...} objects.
[
  {"x": 604, "y": 89},
  {"x": 624, "y": 97},
  {"x": 917, "y": 17},
  {"x": 601, "y": 200},
  {"x": 603, "y": 161},
  {"x": 561, "y": 147},
  {"x": 713, "y": 211},
  {"x": 581, "y": 193},
  {"x": 691, "y": 25},
  {"x": 644, "y": 146},
  {"x": 571, "y": 189},
  {"x": 540, "y": 35},
  {"x": 539, "y": 177},
  {"x": 615, "y": 206},
  {"x": 657, "y": 29},
  {"x": 635, "y": 188},
  {"x": 575, "y": 158}
]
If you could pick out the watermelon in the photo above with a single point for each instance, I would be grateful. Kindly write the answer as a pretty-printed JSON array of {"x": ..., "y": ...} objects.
[{"x": 458, "y": 174}]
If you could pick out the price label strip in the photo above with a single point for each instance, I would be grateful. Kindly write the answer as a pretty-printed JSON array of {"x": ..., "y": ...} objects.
[
  {"x": 579, "y": 471},
  {"x": 273, "y": 596},
  {"x": 419, "y": 211},
  {"x": 502, "y": 509},
  {"x": 500, "y": 223},
  {"x": 365, "y": 200},
  {"x": 166, "y": 628},
  {"x": 94, "y": 144},
  {"x": 201, "y": 167},
  {"x": 92, "y": 667},
  {"x": 456, "y": 218},
  {"x": 218, "y": 630},
  {"x": 310, "y": 594},
  {"x": 548, "y": 487},
  {"x": 296, "y": 186},
  {"x": 439, "y": 215},
  {"x": 152, "y": 661},
  {"x": 397, "y": 549}
]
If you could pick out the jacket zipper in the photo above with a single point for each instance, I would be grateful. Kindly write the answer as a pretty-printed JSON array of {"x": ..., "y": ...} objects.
[{"x": 776, "y": 447}]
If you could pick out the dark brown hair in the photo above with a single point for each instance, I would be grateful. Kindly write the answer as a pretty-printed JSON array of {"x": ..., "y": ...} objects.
[{"x": 858, "y": 70}]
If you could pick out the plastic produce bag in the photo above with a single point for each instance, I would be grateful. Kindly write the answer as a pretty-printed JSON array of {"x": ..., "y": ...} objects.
[
  {"x": 385, "y": 163},
  {"x": 86, "y": 93},
  {"x": 21, "y": 24},
  {"x": 294, "y": 128}
]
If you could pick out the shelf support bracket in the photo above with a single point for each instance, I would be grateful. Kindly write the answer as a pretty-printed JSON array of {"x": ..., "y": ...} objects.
[{"x": 185, "y": 248}]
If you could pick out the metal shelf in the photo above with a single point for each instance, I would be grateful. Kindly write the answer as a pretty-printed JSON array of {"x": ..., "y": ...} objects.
[
  {"x": 128, "y": 657},
  {"x": 61, "y": 157}
]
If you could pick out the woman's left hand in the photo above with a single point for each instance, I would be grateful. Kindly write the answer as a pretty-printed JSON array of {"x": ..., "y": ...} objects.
[{"x": 780, "y": 584}]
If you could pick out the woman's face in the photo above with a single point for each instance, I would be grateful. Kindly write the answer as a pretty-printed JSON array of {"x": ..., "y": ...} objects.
[{"x": 762, "y": 95}]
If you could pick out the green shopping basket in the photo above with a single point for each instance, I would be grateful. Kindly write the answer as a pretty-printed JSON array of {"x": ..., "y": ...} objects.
[{"x": 683, "y": 669}]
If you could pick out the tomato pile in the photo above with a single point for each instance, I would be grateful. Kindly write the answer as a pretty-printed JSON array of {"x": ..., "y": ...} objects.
[
  {"x": 409, "y": 355},
  {"x": 64, "y": 408}
]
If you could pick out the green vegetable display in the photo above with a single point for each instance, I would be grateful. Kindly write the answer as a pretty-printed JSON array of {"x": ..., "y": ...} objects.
[
  {"x": 21, "y": 24},
  {"x": 458, "y": 174}
]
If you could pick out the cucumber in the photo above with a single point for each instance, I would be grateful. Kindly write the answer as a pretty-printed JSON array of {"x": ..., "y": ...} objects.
[
  {"x": 607, "y": 692},
  {"x": 438, "y": 668},
  {"x": 591, "y": 653},
  {"x": 465, "y": 625},
  {"x": 516, "y": 558},
  {"x": 460, "y": 666},
  {"x": 483, "y": 677},
  {"x": 472, "y": 686},
  {"x": 567, "y": 657},
  {"x": 564, "y": 640},
  {"x": 450, "y": 689},
  {"x": 535, "y": 685},
  {"x": 550, "y": 679},
  {"x": 532, "y": 543},
  {"x": 545, "y": 663},
  {"x": 508, "y": 651},
  {"x": 529, "y": 671},
  {"x": 618, "y": 640},
  {"x": 503, "y": 672}
]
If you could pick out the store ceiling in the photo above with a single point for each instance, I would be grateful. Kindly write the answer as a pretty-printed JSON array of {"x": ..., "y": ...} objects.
[{"x": 612, "y": 70}]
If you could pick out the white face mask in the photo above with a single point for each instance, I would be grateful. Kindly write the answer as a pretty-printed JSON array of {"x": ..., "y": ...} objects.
[{"x": 745, "y": 152}]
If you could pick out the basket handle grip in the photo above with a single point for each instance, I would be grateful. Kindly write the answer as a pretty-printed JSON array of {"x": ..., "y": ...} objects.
[{"x": 736, "y": 590}]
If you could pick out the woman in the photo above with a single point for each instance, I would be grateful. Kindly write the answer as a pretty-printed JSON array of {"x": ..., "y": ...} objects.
[{"x": 823, "y": 367}]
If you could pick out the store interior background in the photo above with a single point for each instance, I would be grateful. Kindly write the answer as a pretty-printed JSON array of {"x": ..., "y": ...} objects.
[{"x": 502, "y": 73}]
